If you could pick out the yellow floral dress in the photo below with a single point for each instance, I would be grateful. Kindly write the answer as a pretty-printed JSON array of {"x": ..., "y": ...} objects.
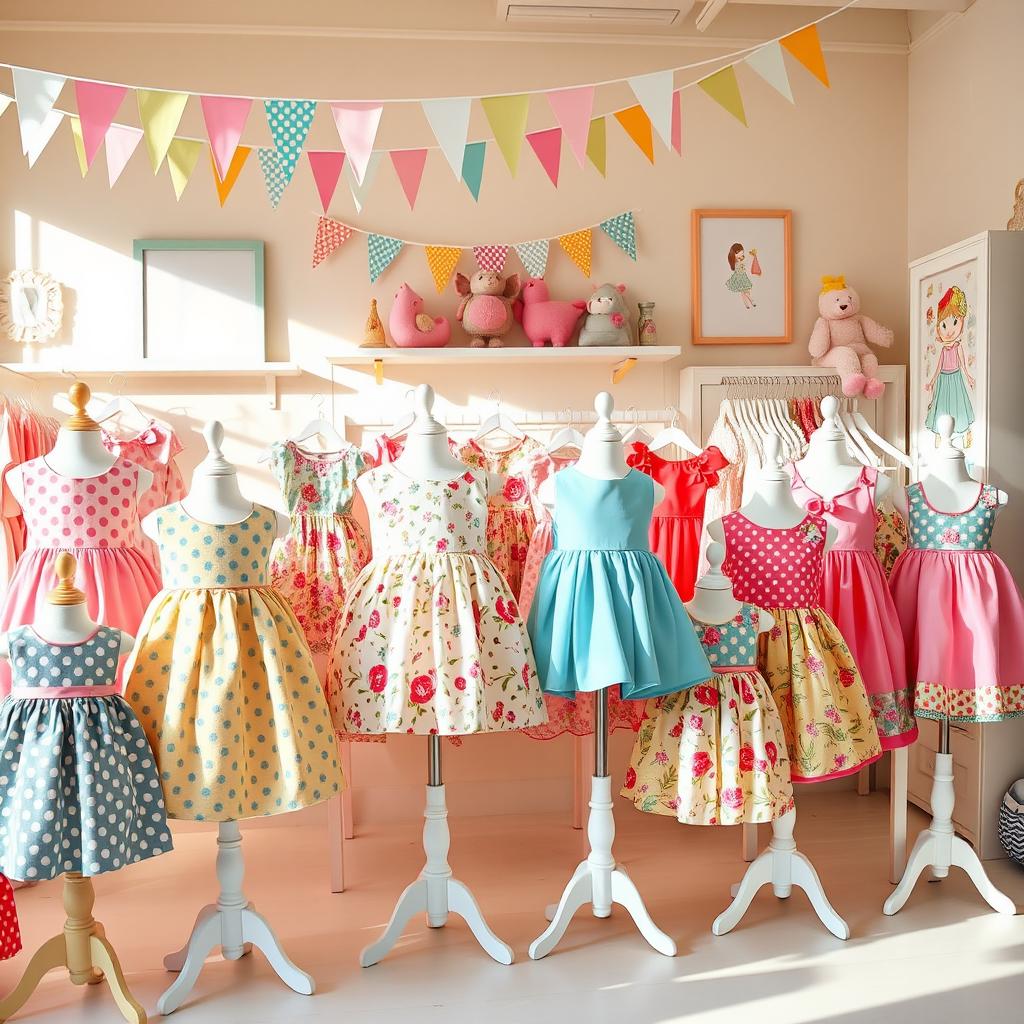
[{"x": 222, "y": 681}]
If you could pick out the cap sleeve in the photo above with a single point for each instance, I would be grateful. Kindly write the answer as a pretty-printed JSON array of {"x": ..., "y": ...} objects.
[{"x": 639, "y": 457}]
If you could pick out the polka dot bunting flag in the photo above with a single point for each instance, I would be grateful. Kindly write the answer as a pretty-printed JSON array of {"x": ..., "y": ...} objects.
[
  {"x": 578, "y": 246},
  {"x": 330, "y": 235},
  {"x": 442, "y": 260}
]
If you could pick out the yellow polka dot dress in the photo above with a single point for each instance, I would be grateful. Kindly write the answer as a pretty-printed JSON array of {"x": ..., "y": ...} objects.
[{"x": 222, "y": 680}]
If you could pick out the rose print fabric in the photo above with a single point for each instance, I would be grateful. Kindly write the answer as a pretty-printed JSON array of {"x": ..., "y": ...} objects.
[
  {"x": 10, "y": 931},
  {"x": 715, "y": 754},
  {"x": 431, "y": 640},
  {"x": 892, "y": 537}
]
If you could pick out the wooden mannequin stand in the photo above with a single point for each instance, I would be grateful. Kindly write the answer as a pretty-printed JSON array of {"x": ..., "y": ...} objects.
[
  {"x": 436, "y": 893},
  {"x": 83, "y": 949},
  {"x": 598, "y": 880}
]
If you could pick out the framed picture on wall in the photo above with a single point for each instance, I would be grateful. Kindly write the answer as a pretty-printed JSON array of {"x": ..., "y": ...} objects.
[
  {"x": 201, "y": 300},
  {"x": 742, "y": 267}
]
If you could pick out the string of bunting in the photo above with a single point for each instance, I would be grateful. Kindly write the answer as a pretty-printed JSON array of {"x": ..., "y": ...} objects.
[
  {"x": 381, "y": 250},
  {"x": 656, "y": 114}
]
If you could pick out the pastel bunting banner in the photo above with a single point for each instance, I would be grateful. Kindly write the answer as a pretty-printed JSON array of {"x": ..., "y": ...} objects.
[
  {"x": 677, "y": 122},
  {"x": 361, "y": 189},
  {"x": 289, "y": 122},
  {"x": 409, "y": 164},
  {"x": 274, "y": 180},
  {"x": 122, "y": 141},
  {"x": 97, "y": 104},
  {"x": 573, "y": 110},
  {"x": 381, "y": 251},
  {"x": 442, "y": 260},
  {"x": 76, "y": 135},
  {"x": 654, "y": 91},
  {"x": 36, "y": 92},
  {"x": 357, "y": 125},
  {"x": 534, "y": 256},
  {"x": 182, "y": 157},
  {"x": 449, "y": 121},
  {"x": 638, "y": 127},
  {"x": 578, "y": 246},
  {"x": 622, "y": 231},
  {"x": 769, "y": 63},
  {"x": 723, "y": 88},
  {"x": 225, "y": 118},
  {"x": 805, "y": 45},
  {"x": 491, "y": 257},
  {"x": 326, "y": 166},
  {"x": 160, "y": 113},
  {"x": 507, "y": 117},
  {"x": 473, "y": 167},
  {"x": 227, "y": 183},
  {"x": 597, "y": 144},
  {"x": 331, "y": 235},
  {"x": 547, "y": 145}
]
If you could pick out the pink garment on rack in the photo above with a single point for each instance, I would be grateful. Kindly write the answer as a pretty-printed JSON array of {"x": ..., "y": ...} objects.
[{"x": 155, "y": 448}]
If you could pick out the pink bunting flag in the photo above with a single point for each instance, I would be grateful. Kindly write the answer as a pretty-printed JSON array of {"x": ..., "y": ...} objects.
[
  {"x": 330, "y": 235},
  {"x": 677, "y": 122},
  {"x": 573, "y": 109},
  {"x": 491, "y": 257},
  {"x": 409, "y": 165},
  {"x": 548, "y": 147},
  {"x": 97, "y": 104},
  {"x": 357, "y": 126},
  {"x": 225, "y": 118},
  {"x": 326, "y": 166},
  {"x": 122, "y": 141}
]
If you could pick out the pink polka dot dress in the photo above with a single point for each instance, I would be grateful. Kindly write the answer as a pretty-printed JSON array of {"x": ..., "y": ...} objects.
[{"x": 10, "y": 931}]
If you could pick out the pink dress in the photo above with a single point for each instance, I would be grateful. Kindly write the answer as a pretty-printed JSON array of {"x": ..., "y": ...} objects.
[
  {"x": 856, "y": 595},
  {"x": 961, "y": 612},
  {"x": 155, "y": 448}
]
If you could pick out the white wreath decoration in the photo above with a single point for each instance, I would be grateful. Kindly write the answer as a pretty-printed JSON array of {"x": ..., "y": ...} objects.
[{"x": 31, "y": 306}]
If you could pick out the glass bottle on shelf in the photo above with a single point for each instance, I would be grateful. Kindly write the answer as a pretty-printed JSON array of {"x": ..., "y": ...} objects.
[{"x": 646, "y": 329}]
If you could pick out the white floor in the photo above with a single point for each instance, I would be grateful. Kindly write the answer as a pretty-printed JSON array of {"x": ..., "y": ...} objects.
[{"x": 945, "y": 957}]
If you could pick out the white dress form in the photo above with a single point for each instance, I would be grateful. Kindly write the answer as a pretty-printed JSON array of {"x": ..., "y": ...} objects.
[
  {"x": 231, "y": 923},
  {"x": 781, "y": 865},
  {"x": 436, "y": 893},
  {"x": 950, "y": 488},
  {"x": 598, "y": 880}
]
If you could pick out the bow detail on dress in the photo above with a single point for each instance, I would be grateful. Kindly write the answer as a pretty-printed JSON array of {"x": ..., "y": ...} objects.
[
  {"x": 820, "y": 505},
  {"x": 702, "y": 463}
]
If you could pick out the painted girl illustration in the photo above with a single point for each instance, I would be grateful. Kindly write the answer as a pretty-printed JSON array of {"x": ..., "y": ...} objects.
[
  {"x": 739, "y": 280},
  {"x": 951, "y": 397}
]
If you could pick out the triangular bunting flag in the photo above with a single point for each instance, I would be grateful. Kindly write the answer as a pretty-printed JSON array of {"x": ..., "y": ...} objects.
[
  {"x": 449, "y": 121},
  {"x": 225, "y": 118},
  {"x": 326, "y": 166},
  {"x": 227, "y": 183},
  {"x": 380, "y": 252},
  {"x": 769, "y": 63},
  {"x": 160, "y": 113},
  {"x": 723, "y": 88},
  {"x": 534, "y": 256},
  {"x": 360, "y": 190},
  {"x": 473, "y": 167},
  {"x": 182, "y": 157},
  {"x": 35, "y": 92},
  {"x": 408, "y": 164},
  {"x": 622, "y": 231},
  {"x": 274, "y": 179},
  {"x": 491, "y": 257},
  {"x": 805, "y": 45},
  {"x": 330, "y": 235},
  {"x": 638, "y": 128},
  {"x": 97, "y": 104},
  {"x": 597, "y": 144},
  {"x": 654, "y": 91},
  {"x": 76, "y": 134},
  {"x": 507, "y": 117},
  {"x": 442, "y": 260},
  {"x": 573, "y": 109},
  {"x": 357, "y": 125},
  {"x": 578, "y": 246},
  {"x": 677, "y": 121},
  {"x": 41, "y": 138},
  {"x": 122, "y": 141},
  {"x": 289, "y": 122},
  {"x": 548, "y": 147}
]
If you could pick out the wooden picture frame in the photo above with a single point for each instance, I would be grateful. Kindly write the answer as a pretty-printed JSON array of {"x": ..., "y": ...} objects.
[{"x": 719, "y": 315}]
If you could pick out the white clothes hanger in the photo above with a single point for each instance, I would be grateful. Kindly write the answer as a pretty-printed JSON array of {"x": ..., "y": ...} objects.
[
  {"x": 855, "y": 444},
  {"x": 320, "y": 427},
  {"x": 636, "y": 434},
  {"x": 120, "y": 405},
  {"x": 499, "y": 421},
  {"x": 674, "y": 434},
  {"x": 877, "y": 440},
  {"x": 567, "y": 436}
]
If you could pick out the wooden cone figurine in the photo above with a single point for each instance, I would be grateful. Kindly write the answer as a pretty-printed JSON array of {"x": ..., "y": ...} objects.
[
  {"x": 82, "y": 947},
  {"x": 373, "y": 333}
]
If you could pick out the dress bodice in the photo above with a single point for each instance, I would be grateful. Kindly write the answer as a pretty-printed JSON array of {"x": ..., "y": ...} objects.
[
  {"x": 37, "y": 664},
  {"x": 852, "y": 512},
  {"x": 603, "y": 515},
  {"x": 730, "y": 646},
  {"x": 511, "y": 464},
  {"x": 155, "y": 448},
  {"x": 315, "y": 485},
  {"x": 686, "y": 481},
  {"x": 196, "y": 555},
  {"x": 970, "y": 530}
]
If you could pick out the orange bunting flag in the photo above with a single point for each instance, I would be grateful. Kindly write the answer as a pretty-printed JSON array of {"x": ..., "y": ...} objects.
[
  {"x": 638, "y": 128},
  {"x": 578, "y": 245},
  {"x": 805, "y": 45},
  {"x": 442, "y": 260},
  {"x": 330, "y": 235},
  {"x": 225, "y": 185}
]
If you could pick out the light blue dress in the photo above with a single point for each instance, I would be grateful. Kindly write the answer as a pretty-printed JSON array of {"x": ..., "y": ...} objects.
[{"x": 606, "y": 611}]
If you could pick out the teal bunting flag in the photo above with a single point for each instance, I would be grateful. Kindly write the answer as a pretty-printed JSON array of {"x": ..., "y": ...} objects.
[
  {"x": 473, "y": 167},
  {"x": 534, "y": 256},
  {"x": 273, "y": 174},
  {"x": 289, "y": 122},
  {"x": 380, "y": 252},
  {"x": 622, "y": 231}
]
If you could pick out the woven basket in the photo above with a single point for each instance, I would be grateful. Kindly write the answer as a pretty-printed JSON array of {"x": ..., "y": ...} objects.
[{"x": 1011, "y": 822}]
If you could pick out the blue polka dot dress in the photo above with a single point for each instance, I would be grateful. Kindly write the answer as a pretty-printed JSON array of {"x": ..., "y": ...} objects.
[
  {"x": 222, "y": 680},
  {"x": 79, "y": 789}
]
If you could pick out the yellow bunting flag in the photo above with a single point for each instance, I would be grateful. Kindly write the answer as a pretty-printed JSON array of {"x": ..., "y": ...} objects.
[
  {"x": 723, "y": 88},
  {"x": 76, "y": 134},
  {"x": 805, "y": 45},
  {"x": 597, "y": 142},
  {"x": 638, "y": 128},
  {"x": 507, "y": 118},
  {"x": 160, "y": 113},
  {"x": 442, "y": 260},
  {"x": 578, "y": 246},
  {"x": 238, "y": 159},
  {"x": 182, "y": 157}
]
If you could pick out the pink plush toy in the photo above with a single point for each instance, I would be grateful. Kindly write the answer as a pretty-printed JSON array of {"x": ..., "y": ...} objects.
[
  {"x": 544, "y": 319},
  {"x": 412, "y": 328},
  {"x": 841, "y": 338},
  {"x": 486, "y": 307}
]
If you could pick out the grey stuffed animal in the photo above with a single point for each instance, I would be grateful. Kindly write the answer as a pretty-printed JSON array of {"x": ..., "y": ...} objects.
[{"x": 608, "y": 321}]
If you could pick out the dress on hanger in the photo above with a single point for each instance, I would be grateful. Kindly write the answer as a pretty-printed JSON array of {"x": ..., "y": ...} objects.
[
  {"x": 10, "y": 930},
  {"x": 222, "y": 680},
  {"x": 715, "y": 754},
  {"x": 431, "y": 640},
  {"x": 678, "y": 519},
  {"x": 79, "y": 789},
  {"x": 606, "y": 611},
  {"x": 814, "y": 679},
  {"x": 961, "y": 612},
  {"x": 856, "y": 596},
  {"x": 155, "y": 448}
]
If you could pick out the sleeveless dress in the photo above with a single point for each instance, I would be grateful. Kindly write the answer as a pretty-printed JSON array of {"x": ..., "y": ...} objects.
[
  {"x": 79, "y": 789},
  {"x": 222, "y": 680},
  {"x": 715, "y": 754},
  {"x": 431, "y": 640},
  {"x": 10, "y": 930},
  {"x": 961, "y": 612},
  {"x": 856, "y": 597},
  {"x": 97, "y": 519},
  {"x": 606, "y": 611},
  {"x": 813, "y": 676}
]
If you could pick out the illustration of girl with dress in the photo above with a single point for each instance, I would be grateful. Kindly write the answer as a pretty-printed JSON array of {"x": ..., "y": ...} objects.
[
  {"x": 739, "y": 281},
  {"x": 951, "y": 397}
]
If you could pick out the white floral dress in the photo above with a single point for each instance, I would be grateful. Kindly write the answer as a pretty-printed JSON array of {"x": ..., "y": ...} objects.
[{"x": 431, "y": 640}]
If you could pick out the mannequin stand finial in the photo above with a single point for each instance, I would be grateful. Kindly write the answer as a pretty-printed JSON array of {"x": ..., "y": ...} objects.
[
  {"x": 231, "y": 923},
  {"x": 436, "y": 893},
  {"x": 83, "y": 949}
]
